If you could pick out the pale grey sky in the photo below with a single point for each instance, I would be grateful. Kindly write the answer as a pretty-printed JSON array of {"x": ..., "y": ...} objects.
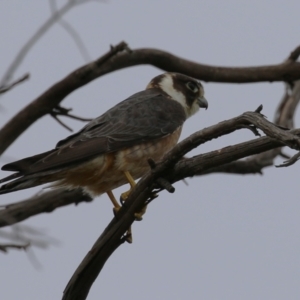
[{"x": 223, "y": 236}]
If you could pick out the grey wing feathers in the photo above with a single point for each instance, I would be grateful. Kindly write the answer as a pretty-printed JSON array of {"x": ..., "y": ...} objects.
[
  {"x": 147, "y": 114},
  {"x": 144, "y": 116}
]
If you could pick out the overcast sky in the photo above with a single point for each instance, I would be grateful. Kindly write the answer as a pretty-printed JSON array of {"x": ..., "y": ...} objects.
[{"x": 220, "y": 237}]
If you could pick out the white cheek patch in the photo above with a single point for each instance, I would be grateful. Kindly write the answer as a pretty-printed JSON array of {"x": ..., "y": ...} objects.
[{"x": 166, "y": 85}]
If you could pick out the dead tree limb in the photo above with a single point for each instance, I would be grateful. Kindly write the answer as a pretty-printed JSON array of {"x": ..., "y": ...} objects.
[
  {"x": 6, "y": 247},
  {"x": 172, "y": 170},
  {"x": 284, "y": 116},
  {"x": 8, "y": 87},
  {"x": 51, "y": 99},
  {"x": 117, "y": 59},
  {"x": 45, "y": 202},
  {"x": 50, "y": 200}
]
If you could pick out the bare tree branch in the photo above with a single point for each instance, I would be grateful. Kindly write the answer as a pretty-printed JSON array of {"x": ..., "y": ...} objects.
[
  {"x": 50, "y": 200},
  {"x": 241, "y": 167},
  {"x": 158, "y": 178},
  {"x": 6, "y": 247},
  {"x": 39, "y": 33},
  {"x": 45, "y": 202},
  {"x": 72, "y": 32},
  {"x": 286, "y": 71},
  {"x": 114, "y": 60},
  {"x": 8, "y": 87},
  {"x": 61, "y": 111},
  {"x": 24, "y": 234},
  {"x": 114, "y": 235},
  {"x": 283, "y": 117},
  {"x": 51, "y": 98},
  {"x": 294, "y": 54}
]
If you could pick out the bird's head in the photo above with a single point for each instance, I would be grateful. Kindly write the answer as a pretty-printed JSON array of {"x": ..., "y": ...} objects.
[{"x": 186, "y": 90}]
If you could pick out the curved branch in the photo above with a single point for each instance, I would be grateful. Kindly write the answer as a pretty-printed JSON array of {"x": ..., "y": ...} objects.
[
  {"x": 114, "y": 60},
  {"x": 113, "y": 236},
  {"x": 50, "y": 200},
  {"x": 284, "y": 116},
  {"x": 287, "y": 71}
]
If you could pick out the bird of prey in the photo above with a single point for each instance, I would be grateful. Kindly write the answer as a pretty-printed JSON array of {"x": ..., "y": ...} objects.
[{"x": 113, "y": 149}]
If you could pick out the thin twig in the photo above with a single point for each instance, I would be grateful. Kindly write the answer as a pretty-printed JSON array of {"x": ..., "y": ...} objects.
[
  {"x": 36, "y": 36},
  {"x": 60, "y": 122},
  {"x": 61, "y": 111},
  {"x": 13, "y": 84},
  {"x": 284, "y": 117},
  {"x": 72, "y": 32},
  {"x": 294, "y": 54},
  {"x": 290, "y": 161},
  {"x": 6, "y": 247}
]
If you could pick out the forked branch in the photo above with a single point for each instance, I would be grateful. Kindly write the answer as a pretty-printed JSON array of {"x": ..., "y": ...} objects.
[{"x": 172, "y": 169}]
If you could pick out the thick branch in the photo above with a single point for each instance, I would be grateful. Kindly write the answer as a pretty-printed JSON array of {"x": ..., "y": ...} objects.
[
  {"x": 41, "y": 203},
  {"x": 51, "y": 200},
  {"x": 48, "y": 201},
  {"x": 113, "y": 60},
  {"x": 204, "y": 163},
  {"x": 287, "y": 71},
  {"x": 113, "y": 236},
  {"x": 241, "y": 167}
]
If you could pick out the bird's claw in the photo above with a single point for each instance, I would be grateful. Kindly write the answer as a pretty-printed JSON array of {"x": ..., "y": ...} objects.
[{"x": 124, "y": 196}]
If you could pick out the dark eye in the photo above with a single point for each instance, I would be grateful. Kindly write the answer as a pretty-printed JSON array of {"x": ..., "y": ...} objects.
[{"x": 192, "y": 86}]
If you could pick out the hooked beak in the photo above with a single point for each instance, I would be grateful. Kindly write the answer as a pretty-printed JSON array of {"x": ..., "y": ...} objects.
[{"x": 202, "y": 102}]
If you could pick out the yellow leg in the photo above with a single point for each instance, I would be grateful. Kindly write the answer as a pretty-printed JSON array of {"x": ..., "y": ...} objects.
[
  {"x": 124, "y": 196},
  {"x": 132, "y": 183},
  {"x": 114, "y": 202},
  {"x": 115, "y": 210},
  {"x": 130, "y": 179},
  {"x": 113, "y": 199}
]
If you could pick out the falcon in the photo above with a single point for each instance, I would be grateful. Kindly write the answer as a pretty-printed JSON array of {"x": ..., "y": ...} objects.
[{"x": 113, "y": 149}]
